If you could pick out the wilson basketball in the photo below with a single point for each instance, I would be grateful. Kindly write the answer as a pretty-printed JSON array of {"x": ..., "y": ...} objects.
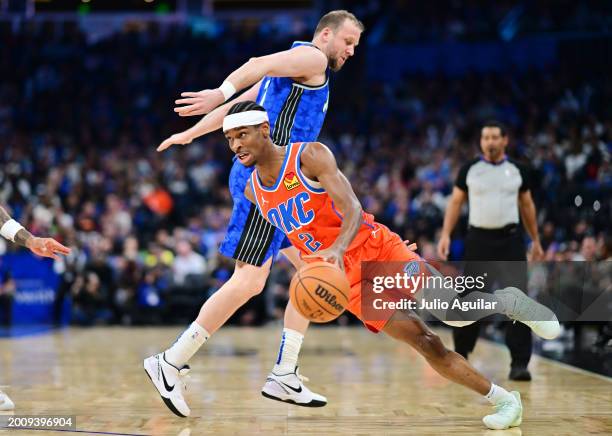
[{"x": 319, "y": 291}]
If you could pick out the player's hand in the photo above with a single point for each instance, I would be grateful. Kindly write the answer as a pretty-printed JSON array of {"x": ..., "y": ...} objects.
[
  {"x": 411, "y": 247},
  {"x": 199, "y": 103},
  {"x": 444, "y": 247},
  {"x": 332, "y": 254},
  {"x": 537, "y": 252},
  {"x": 178, "y": 138},
  {"x": 46, "y": 247}
]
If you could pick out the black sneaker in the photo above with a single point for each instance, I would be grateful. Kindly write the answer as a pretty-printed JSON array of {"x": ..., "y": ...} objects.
[{"x": 519, "y": 373}]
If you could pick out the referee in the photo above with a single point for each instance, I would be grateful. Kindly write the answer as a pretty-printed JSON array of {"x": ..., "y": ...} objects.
[{"x": 498, "y": 192}]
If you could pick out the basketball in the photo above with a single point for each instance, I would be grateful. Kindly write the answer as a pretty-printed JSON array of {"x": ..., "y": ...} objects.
[{"x": 319, "y": 291}]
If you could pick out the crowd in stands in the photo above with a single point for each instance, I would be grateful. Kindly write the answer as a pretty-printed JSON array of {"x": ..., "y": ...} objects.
[
  {"x": 400, "y": 21},
  {"x": 80, "y": 122}
]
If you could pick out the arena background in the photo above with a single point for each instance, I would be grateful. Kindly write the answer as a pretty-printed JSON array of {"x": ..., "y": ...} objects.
[{"x": 87, "y": 90}]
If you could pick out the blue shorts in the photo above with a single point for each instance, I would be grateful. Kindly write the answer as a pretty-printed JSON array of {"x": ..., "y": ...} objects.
[{"x": 250, "y": 237}]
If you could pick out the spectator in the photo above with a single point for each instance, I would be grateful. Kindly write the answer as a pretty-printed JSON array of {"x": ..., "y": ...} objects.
[
  {"x": 89, "y": 300},
  {"x": 80, "y": 135},
  {"x": 187, "y": 262},
  {"x": 588, "y": 250}
]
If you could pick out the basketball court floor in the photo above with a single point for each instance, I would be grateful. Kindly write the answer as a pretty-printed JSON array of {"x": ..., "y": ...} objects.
[{"x": 374, "y": 386}]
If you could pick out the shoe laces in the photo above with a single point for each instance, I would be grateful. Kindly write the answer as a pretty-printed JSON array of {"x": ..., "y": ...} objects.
[
  {"x": 509, "y": 304},
  {"x": 301, "y": 377},
  {"x": 504, "y": 407},
  {"x": 183, "y": 375},
  {"x": 519, "y": 309}
]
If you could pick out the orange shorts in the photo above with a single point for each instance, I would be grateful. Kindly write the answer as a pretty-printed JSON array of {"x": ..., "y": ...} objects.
[{"x": 382, "y": 245}]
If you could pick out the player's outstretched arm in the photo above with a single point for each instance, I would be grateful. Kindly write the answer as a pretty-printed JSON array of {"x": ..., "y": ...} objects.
[
  {"x": 15, "y": 232},
  {"x": 319, "y": 163},
  {"x": 209, "y": 123},
  {"x": 302, "y": 62}
]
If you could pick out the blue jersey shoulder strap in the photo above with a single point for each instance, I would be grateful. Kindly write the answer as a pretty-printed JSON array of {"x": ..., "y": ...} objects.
[{"x": 298, "y": 43}]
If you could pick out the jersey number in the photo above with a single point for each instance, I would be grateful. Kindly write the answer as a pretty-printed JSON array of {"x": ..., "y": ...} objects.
[{"x": 310, "y": 243}]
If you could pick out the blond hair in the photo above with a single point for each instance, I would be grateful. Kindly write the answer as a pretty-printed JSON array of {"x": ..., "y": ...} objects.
[{"x": 335, "y": 19}]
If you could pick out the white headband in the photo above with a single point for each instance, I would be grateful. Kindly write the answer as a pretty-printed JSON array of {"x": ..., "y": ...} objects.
[{"x": 247, "y": 118}]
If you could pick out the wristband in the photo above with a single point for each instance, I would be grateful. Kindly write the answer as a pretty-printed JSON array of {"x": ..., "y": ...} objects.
[
  {"x": 10, "y": 229},
  {"x": 227, "y": 89}
]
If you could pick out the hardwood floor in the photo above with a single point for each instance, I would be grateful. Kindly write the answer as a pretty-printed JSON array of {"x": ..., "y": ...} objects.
[{"x": 374, "y": 386}]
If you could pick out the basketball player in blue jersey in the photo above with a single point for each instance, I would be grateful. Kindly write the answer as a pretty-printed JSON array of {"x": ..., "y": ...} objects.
[{"x": 292, "y": 86}]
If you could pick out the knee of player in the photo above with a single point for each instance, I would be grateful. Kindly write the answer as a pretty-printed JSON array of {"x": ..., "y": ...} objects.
[
  {"x": 431, "y": 345},
  {"x": 252, "y": 284},
  {"x": 257, "y": 286}
]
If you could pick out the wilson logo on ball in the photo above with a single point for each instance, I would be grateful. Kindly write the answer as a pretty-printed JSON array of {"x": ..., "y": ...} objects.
[{"x": 329, "y": 298}]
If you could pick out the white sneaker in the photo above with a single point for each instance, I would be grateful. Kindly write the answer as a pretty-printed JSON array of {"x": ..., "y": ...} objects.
[
  {"x": 168, "y": 380},
  {"x": 290, "y": 389},
  {"x": 508, "y": 413},
  {"x": 536, "y": 316},
  {"x": 5, "y": 402}
]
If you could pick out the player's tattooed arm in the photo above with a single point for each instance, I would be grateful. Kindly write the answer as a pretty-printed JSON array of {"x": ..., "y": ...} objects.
[
  {"x": 318, "y": 163},
  {"x": 45, "y": 247},
  {"x": 4, "y": 216},
  {"x": 22, "y": 236}
]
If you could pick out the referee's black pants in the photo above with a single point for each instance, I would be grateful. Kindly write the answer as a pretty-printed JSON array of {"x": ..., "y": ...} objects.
[{"x": 499, "y": 255}]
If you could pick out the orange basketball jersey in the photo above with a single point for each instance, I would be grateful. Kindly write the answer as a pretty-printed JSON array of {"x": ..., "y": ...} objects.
[{"x": 302, "y": 209}]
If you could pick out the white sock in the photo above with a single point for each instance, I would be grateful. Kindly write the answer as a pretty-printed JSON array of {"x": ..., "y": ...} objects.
[
  {"x": 186, "y": 345},
  {"x": 288, "y": 352},
  {"x": 497, "y": 394}
]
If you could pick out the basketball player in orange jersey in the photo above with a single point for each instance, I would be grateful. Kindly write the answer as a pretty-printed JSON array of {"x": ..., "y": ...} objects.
[
  {"x": 46, "y": 247},
  {"x": 300, "y": 190},
  {"x": 293, "y": 86}
]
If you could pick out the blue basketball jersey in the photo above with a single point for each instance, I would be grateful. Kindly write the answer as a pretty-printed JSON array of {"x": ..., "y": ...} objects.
[{"x": 296, "y": 111}]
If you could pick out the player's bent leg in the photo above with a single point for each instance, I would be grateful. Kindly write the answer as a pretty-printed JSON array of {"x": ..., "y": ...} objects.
[
  {"x": 5, "y": 402},
  {"x": 509, "y": 301},
  {"x": 246, "y": 282},
  {"x": 409, "y": 328},
  {"x": 284, "y": 382},
  {"x": 293, "y": 319},
  {"x": 166, "y": 370}
]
